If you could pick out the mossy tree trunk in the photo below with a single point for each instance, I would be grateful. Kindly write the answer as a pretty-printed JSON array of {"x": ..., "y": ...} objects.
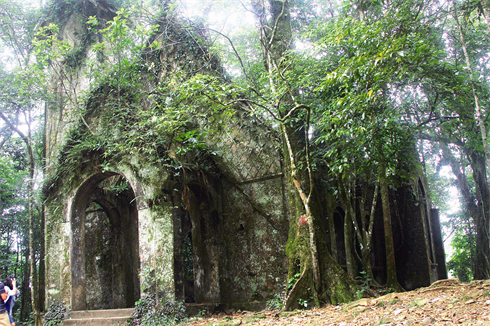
[
  {"x": 320, "y": 278},
  {"x": 349, "y": 220},
  {"x": 391, "y": 278},
  {"x": 480, "y": 162},
  {"x": 364, "y": 231},
  {"x": 30, "y": 195},
  {"x": 482, "y": 255},
  {"x": 331, "y": 226}
]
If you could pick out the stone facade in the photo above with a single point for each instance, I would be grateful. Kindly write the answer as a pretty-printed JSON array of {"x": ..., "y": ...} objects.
[{"x": 119, "y": 228}]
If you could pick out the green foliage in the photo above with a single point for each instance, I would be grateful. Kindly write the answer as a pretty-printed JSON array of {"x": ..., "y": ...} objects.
[
  {"x": 364, "y": 282},
  {"x": 292, "y": 281},
  {"x": 375, "y": 75},
  {"x": 24, "y": 84},
  {"x": 361, "y": 119},
  {"x": 11, "y": 178},
  {"x": 119, "y": 58},
  {"x": 117, "y": 188},
  {"x": 47, "y": 47},
  {"x": 275, "y": 303},
  {"x": 135, "y": 116},
  {"x": 303, "y": 303},
  {"x": 55, "y": 315},
  {"x": 438, "y": 181},
  {"x": 463, "y": 243},
  {"x": 13, "y": 212},
  {"x": 151, "y": 312}
]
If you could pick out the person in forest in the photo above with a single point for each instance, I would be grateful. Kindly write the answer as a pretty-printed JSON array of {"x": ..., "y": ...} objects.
[
  {"x": 12, "y": 292},
  {"x": 4, "y": 318}
]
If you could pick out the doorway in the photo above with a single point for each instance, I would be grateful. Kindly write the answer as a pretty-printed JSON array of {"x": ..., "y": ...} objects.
[{"x": 105, "y": 250}]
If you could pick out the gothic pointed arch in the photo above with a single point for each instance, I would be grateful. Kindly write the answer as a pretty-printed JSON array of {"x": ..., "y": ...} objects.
[{"x": 104, "y": 244}]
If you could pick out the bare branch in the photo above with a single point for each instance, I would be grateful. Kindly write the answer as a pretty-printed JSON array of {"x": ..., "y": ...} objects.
[
  {"x": 6, "y": 138},
  {"x": 429, "y": 120},
  {"x": 234, "y": 50},
  {"x": 249, "y": 102},
  {"x": 441, "y": 139},
  {"x": 14, "y": 128}
]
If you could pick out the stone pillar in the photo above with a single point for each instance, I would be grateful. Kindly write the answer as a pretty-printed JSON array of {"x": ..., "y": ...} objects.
[
  {"x": 78, "y": 280},
  {"x": 413, "y": 262},
  {"x": 440, "y": 256}
]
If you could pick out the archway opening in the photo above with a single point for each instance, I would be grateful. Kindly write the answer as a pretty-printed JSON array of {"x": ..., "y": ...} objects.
[
  {"x": 197, "y": 256},
  {"x": 105, "y": 250},
  {"x": 338, "y": 217}
]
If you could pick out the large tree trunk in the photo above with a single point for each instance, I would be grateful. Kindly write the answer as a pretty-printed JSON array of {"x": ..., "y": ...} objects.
[
  {"x": 363, "y": 231},
  {"x": 24, "y": 312},
  {"x": 42, "y": 249},
  {"x": 478, "y": 111},
  {"x": 391, "y": 278},
  {"x": 331, "y": 226},
  {"x": 349, "y": 245},
  {"x": 32, "y": 225},
  {"x": 42, "y": 266},
  {"x": 367, "y": 237},
  {"x": 320, "y": 276},
  {"x": 482, "y": 259},
  {"x": 349, "y": 222}
]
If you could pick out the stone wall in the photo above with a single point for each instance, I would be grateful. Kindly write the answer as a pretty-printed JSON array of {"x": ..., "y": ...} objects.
[
  {"x": 132, "y": 242},
  {"x": 207, "y": 226}
]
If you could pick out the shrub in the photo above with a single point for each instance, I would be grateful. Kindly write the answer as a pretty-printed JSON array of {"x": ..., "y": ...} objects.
[
  {"x": 55, "y": 314},
  {"x": 151, "y": 312}
]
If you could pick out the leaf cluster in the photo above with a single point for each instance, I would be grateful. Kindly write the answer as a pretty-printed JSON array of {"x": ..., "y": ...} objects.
[
  {"x": 151, "y": 311},
  {"x": 129, "y": 113}
]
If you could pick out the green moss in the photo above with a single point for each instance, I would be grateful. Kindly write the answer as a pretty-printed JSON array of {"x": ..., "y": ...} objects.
[
  {"x": 59, "y": 11},
  {"x": 75, "y": 57}
]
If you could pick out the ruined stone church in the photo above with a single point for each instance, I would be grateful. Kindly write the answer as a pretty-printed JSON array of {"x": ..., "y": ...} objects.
[{"x": 117, "y": 228}]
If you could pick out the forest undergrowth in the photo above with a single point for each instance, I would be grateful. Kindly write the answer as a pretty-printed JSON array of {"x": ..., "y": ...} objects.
[{"x": 446, "y": 302}]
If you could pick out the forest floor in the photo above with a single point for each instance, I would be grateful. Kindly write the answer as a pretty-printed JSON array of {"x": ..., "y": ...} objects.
[{"x": 446, "y": 302}]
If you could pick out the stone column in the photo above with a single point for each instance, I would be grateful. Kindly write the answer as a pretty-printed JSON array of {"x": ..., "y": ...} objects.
[{"x": 440, "y": 255}]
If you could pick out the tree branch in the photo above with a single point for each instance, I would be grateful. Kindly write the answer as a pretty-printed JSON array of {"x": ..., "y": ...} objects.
[
  {"x": 14, "y": 128},
  {"x": 441, "y": 139},
  {"x": 234, "y": 50}
]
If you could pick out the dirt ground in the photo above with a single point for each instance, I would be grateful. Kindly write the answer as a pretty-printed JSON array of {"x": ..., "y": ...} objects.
[{"x": 446, "y": 302}]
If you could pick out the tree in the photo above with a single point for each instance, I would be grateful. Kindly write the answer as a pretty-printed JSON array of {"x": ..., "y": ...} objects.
[
  {"x": 319, "y": 272},
  {"x": 378, "y": 57},
  {"x": 458, "y": 117},
  {"x": 14, "y": 227},
  {"x": 22, "y": 99},
  {"x": 480, "y": 166}
]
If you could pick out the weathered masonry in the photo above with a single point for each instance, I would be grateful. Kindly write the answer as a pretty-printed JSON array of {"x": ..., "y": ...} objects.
[{"x": 212, "y": 228}]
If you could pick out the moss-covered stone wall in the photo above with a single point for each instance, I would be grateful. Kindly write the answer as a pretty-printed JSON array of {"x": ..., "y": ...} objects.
[
  {"x": 231, "y": 202},
  {"x": 209, "y": 218}
]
